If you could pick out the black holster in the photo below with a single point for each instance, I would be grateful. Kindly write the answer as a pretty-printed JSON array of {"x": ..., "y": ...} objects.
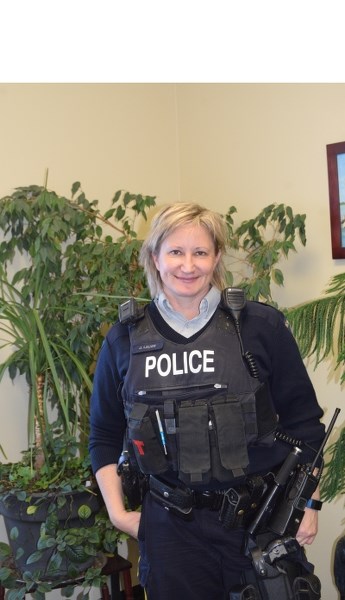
[
  {"x": 134, "y": 483},
  {"x": 281, "y": 571},
  {"x": 175, "y": 499},
  {"x": 284, "y": 586},
  {"x": 240, "y": 503}
]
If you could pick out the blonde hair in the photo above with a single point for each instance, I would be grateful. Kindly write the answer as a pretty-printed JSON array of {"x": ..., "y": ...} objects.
[{"x": 165, "y": 222}]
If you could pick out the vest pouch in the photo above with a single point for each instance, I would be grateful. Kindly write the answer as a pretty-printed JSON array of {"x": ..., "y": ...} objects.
[
  {"x": 230, "y": 456},
  {"x": 194, "y": 448},
  {"x": 259, "y": 416},
  {"x": 266, "y": 417},
  {"x": 143, "y": 433}
]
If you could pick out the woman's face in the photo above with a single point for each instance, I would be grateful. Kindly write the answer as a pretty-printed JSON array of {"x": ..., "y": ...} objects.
[{"x": 186, "y": 261}]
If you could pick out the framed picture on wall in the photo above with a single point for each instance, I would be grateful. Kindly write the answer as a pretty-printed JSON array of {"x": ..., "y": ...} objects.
[{"x": 336, "y": 184}]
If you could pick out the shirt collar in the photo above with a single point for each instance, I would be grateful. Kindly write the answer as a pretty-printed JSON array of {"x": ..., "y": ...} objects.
[{"x": 206, "y": 308}]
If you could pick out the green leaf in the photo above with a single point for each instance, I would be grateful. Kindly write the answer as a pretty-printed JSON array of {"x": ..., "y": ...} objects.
[
  {"x": 43, "y": 587},
  {"x": 34, "y": 557},
  {"x": 21, "y": 495},
  {"x": 278, "y": 276},
  {"x": 109, "y": 213},
  {"x": 84, "y": 512},
  {"x": 75, "y": 187},
  {"x": 46, "y": 542},
  {"x": 54, "y": 563},
  {"x": 5, "y": 551},
  {"x": 19, "y": 553},
  {"x": 117, "y": 197},
  {"x": 16, "y": 594},
  {"x": 38, "y": 594},
  {"x": 5, "y": 573},
  {"x": 14, "y": 533},
  {"x": 68, "y": 591},
  {"x": 31, "y": 509}
]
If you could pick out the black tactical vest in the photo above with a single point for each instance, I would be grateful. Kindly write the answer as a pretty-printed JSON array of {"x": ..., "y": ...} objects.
[{"x": 193, "y": 408}]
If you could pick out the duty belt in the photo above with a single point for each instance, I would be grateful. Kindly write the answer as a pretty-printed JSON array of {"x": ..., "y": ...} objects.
[{"x": 235, "y": 505}]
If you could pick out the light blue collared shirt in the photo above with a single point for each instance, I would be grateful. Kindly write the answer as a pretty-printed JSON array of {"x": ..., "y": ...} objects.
[{"x": 179, "y": 323}]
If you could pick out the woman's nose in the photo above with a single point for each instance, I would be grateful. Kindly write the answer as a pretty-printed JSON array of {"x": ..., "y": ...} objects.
[{"x": 187, "y": 262}]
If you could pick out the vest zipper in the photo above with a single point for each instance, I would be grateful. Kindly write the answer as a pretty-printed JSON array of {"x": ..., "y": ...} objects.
[{"x": 165, "y": 393}]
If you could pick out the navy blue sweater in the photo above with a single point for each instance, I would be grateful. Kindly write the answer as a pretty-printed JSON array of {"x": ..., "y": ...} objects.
[{"x": 266, "y": 336}]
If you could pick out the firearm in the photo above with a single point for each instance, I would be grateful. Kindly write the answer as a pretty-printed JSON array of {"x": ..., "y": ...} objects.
[
  {"x": 285, "y": 517},
  {"x": 133, "y": 482}
]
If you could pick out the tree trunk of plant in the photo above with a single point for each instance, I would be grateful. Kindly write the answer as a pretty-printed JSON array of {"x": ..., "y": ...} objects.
[{"x": 39, "y": 420}]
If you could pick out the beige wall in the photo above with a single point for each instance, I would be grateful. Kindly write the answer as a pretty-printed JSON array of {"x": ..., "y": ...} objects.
[{"x": 219, "y": 144}]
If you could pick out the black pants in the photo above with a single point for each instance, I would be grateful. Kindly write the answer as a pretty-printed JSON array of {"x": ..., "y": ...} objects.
[{"x": 188, "y": 560}]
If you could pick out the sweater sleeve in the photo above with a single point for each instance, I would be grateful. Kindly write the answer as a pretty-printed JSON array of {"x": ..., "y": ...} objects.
[
  {"x": 107, "y": 419},
  {"x": 268, "y": 337}
]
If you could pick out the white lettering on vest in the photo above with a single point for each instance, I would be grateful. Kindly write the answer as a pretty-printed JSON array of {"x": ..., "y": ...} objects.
[
  {"x": 149, "y": 364},
  {"x": 164, "y": 358},
  {"x": 192, "y": 362},
  {"x": 197, "y": 368}
]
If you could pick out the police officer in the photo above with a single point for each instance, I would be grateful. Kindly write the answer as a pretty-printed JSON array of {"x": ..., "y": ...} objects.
[{"x": 196, "y": 386}]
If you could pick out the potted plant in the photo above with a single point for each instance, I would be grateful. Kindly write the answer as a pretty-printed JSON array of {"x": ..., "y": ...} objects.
[
  {"x": 319, "y": 327},
  {"x": 53, "y": 312},
  {"x": 51, "y": 318}
]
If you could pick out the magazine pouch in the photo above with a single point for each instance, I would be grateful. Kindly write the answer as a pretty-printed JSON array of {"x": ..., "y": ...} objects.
[
  {"x": 230, "y": 447},
  {"x": 212, "y": 440},
  {"x": 194, "y": 449}
]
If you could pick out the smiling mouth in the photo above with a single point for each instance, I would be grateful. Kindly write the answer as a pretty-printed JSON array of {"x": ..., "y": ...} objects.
[{"x": 187, "y": 282}]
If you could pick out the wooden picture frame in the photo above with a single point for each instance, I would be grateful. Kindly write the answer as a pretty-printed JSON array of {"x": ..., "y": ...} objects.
[{"x": 336, "y": 184}]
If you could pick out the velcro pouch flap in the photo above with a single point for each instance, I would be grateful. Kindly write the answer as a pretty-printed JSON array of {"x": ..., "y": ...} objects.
[
  {"x": 195, "y": 461},
  {"x": 231, "y": 435}
]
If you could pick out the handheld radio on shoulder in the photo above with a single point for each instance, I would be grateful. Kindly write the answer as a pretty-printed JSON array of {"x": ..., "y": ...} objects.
[
  {"x": 234, "y": 301},
  {"x": 130, "y": 312}
]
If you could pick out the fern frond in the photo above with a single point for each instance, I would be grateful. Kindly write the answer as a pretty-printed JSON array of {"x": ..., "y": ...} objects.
[
  {"x": 333, "y": 480},
  {"x": 319, "y": 325}
]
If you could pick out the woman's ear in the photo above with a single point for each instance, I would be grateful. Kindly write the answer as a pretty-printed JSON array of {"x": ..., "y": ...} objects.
[
  {"x": 218, "y": 257},
  {"x": 155, "y": 260}
]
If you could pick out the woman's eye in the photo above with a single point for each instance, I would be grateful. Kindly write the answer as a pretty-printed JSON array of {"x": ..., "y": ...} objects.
[{"x": 177, "y": 252}]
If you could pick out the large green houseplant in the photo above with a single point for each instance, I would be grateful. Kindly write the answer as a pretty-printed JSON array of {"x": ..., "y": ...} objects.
[
  {"x": 257, "y": 246},
  {"x": 50, "y": 325},
  {"x": 78, "y": 264}
]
